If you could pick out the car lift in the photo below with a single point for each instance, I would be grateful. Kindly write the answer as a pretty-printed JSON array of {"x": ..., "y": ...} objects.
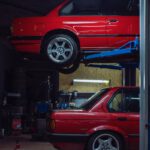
[
  {"x": 129, "y": 65},
  {"x": 127, "y": 49},
  {"x": 115, "y": 56}
]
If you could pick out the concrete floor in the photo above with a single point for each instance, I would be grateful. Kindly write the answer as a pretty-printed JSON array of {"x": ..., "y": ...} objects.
[{"x": 25, "y": 142}]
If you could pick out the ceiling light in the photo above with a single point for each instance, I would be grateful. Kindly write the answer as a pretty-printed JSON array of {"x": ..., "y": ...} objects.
[{"x": 91, "y": 81}]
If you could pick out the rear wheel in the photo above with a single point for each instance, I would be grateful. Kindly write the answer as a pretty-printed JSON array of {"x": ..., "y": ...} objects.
[
  {"x": 105, "y": 141},
  {"x": 61, "y": 49}
]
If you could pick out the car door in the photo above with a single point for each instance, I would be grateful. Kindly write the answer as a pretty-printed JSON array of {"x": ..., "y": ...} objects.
[
  {"x": 83, "y": 18},
  {"x": 134, "y": 18},
  {"x": 124, "y": 112},
  {"x": 119, "y": 22}
]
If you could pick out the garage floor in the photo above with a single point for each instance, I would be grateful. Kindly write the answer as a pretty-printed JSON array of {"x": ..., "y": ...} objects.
[{"x": 25, "y": 142}]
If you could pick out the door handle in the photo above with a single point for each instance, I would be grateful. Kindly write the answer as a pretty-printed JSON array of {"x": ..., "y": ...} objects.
[
  {"x": 122, "y": 119},
  {"x": 113, "y": 21}
]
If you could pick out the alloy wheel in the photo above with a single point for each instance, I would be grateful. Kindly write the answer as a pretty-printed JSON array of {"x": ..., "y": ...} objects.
[
  {"x": 105, "y": 142},
  {"x": 60, "y": 50}
]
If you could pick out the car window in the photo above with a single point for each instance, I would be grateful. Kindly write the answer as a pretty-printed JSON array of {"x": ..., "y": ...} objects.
[
  {"x": 93, "y": 99},
  {"x": 68, "y": 9},
  {"x": 81, "y": 7},
  {"x": 118, "y": 7},
  {"x": 101, "y": 7},
  {"x": 115, "y": 104},
  {"x": 133, "y": 7},
  {"x": 125, "y": 101}
]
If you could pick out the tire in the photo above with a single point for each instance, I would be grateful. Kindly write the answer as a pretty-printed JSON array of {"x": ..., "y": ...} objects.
[
  {"x": 71, "y": 68},
  {"x": 105, "y": 141},
  {"x": 61, "y": 49}
]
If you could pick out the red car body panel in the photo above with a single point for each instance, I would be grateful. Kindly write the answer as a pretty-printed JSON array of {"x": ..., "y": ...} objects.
[
  {"x": 95, "y": 32},
  {"x": 98, "y": 118}
]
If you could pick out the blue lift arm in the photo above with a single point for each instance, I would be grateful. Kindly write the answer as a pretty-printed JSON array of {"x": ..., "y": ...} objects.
[
  {"x": 120, "y": 66},
  {"x": 127, "y": 49}
]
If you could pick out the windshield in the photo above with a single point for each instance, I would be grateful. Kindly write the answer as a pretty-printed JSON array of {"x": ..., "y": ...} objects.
[{"x": 93, "y": 100}]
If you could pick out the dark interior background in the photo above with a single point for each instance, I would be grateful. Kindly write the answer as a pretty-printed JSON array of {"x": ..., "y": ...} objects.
[
  {"x": 10, "y": 9},
  {"x": 14, "y": 72}
]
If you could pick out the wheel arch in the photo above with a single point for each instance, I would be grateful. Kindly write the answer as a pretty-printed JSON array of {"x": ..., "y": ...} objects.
[
  {"x": 110, "y": 129},
  {"x": 59, "y": 31}
]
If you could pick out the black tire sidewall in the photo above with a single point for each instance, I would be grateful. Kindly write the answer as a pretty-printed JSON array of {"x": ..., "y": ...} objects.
[
  {"x": 75, "y": 50},
  {"x": 92, "y": 138},
  {"x": 72, "y": 68}
]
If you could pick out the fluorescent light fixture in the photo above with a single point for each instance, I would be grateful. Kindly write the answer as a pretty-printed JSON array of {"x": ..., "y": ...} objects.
[{"x": 91, "y": 81}]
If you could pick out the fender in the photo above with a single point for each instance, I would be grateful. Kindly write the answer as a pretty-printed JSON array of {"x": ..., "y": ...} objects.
[
  {"x": 58, "y": 28},
  {"x": 108, "y": 128}
]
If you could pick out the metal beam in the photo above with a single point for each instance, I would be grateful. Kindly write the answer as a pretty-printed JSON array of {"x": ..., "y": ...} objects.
[
  {"x": 129, "y": 75},
  {"x": 54, "y": 83},
  {"x": 145, "y": 74}
]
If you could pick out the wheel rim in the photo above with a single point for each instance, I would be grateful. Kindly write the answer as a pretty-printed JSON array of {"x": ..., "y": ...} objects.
[
  {"x": 105, "y": 142},
  {"x": 60, "y": 50}
]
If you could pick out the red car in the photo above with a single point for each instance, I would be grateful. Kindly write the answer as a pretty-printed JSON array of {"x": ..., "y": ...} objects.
[
  {"x": 109, "y": 120},
  {"x": 77, "y": 27}
]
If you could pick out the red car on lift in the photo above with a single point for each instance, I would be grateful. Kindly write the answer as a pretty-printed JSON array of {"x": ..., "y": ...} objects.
[
  {"x": 77, "y": 27},
  {"x": 109, "y": 120}
]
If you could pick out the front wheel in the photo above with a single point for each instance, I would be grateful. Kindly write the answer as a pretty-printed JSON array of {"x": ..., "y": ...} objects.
[
  {"x": 61, "y": 49},
  {"x": 105, "y": 141}
]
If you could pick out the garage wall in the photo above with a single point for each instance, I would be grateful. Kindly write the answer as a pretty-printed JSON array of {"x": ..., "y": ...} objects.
[{"x": 83, "y": 72}]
